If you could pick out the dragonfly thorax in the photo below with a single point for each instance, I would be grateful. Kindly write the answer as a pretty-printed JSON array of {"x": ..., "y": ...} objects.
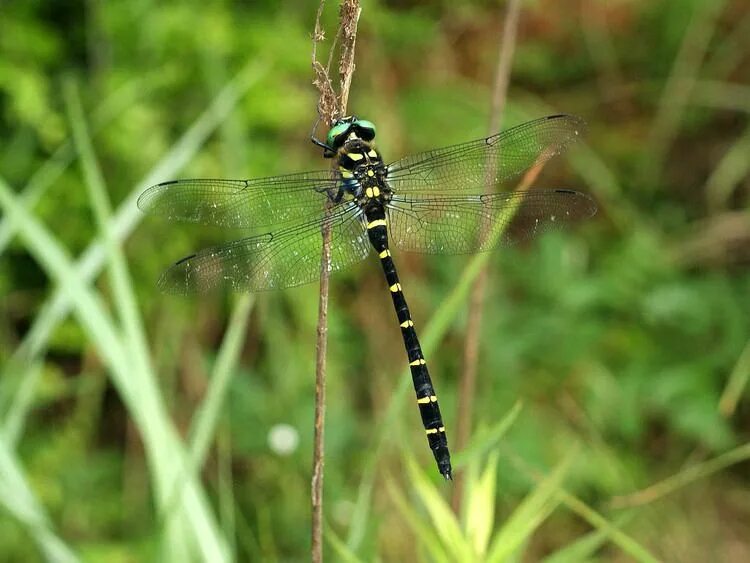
[{"x": 363, "y": 171}]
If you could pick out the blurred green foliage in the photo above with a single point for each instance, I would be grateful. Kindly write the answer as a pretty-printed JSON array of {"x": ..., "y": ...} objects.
[{"x": 619, "y": 336}]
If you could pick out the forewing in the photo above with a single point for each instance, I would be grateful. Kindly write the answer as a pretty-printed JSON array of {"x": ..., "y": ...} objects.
[
  {"x": 480, "y": 165},
  {"x": 465, "y": 224},
  {"x": 244, "y": 204},
  {"x": 285, "y": 258}
]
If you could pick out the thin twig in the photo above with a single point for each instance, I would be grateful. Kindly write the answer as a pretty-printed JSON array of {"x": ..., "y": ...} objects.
[
  {"x": 325, "y": 103},
  {"x": 329, "y": 108},
  {"x": 350, "y": 11},
  {"x": 321, "y": 349},
  {"x": 474, "y": 324},
  {"x": 322, "y": 82}
]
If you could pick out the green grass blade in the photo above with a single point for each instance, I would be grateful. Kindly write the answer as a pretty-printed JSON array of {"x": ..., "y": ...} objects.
[
  {"x": 736, "y": 383},
  {"x": 427, "y": 534},
  {"x": 128, "y": 215},
  {"x": 722, "y": 95},
  {"x": 133, "y": 335},
  {"x": 443, "y": 519},
  {"x": 679, "y": 87},
  {"x": 729, "y": 173},
  {"x": 687, "y": 476},
  {"x": 487, "y": 441},
  {"x": 532, "y": 511},
  {"x": 582, "y": 549},
  {"x": 17, "y": 410},
  {"x": 49, "y": 172},
  {"x": 226, "y": 501},
  {"x": 54, "y": 260},
  {"x": 140, "y": 395},
  {"x": 480, "y": 506},
  {"x": 361, "y": 514},
  {"x": 19, "y": 500},
  {"x": 124, "y": 295},
  {"x": 59, "y": 305},
  {"x": 206, "y": 419},
  {"x": 617, "y": 536},
  {"x": 343, "y": 553}
]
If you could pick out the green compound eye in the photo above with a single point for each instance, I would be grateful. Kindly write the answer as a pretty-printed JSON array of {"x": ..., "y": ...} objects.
[
  {"x": 366, "y": 129},
  {"x": 336, "y": 131}
]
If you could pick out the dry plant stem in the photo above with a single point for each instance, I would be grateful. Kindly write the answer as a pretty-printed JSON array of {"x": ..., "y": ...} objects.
[
  {"x": 322, "y": 82},
  {"x": 350, "y": 11},
  {"x": 325, "y": 106},
  {"x": 329, "y": 108},
  {"x": 321, "y": 349},
  {"x": 474, "y": 323}
]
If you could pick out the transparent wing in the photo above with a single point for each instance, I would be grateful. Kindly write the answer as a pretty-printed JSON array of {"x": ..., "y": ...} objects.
[
  {"x": 285, "y": 258},
  {"x": 464, "y": 224},
  {"x": 476, "y": 165},
  {"x": 261, "y": 202}
]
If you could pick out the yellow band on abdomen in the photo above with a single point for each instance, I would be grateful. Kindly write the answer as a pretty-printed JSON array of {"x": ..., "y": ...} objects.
[
  {"x": 428, "y": 399},
  {"x": 376, "y": 223}
]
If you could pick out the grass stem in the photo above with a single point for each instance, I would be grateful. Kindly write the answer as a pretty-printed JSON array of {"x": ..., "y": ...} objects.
[{"x": 467, "y": 385}]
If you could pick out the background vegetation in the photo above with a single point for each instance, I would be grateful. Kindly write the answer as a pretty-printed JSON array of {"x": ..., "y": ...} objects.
[{"x": 612, "y": 417}]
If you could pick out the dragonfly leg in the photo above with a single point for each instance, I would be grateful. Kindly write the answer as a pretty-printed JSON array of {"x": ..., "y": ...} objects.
[
  {"x": 335, "y": 195},
  {"x": 328, "y": 152}
]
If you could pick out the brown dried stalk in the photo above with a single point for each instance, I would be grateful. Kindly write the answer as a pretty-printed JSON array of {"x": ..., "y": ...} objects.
[{"x": 330, "y": 107}]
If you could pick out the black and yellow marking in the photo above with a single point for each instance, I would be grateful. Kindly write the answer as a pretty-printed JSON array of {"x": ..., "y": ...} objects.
[
  {"x": 376, "y": 223},
  {"x": 427, "y": 402},
  {"x": 430, "y": 399},
  {"x": 361, "y": 165}
]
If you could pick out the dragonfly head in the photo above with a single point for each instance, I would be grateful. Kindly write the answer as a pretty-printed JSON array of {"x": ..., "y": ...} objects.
[{"x": 347, "y": 128}]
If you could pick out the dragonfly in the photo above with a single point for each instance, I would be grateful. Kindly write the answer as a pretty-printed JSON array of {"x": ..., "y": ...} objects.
[{"x": 453, "y": 200}]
